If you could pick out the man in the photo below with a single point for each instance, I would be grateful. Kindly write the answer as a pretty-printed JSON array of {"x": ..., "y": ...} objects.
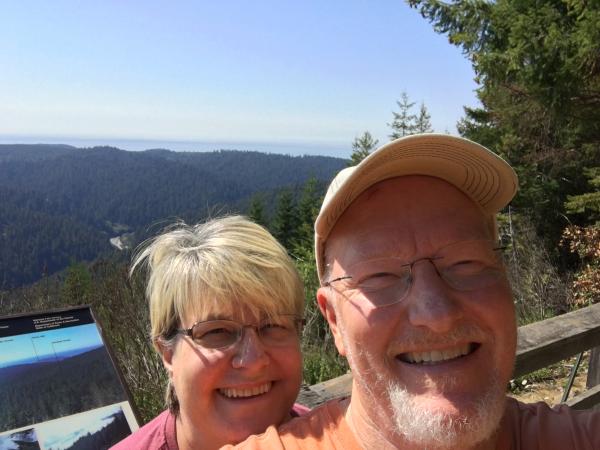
[{"x": 417, "y": 299}]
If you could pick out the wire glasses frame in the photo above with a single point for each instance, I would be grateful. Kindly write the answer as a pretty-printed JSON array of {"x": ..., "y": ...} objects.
[
  {"x": 464, "y": 266},
  {"x": 279, "y": 330}
]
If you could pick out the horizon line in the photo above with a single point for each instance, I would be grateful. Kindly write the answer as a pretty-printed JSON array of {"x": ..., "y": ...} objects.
[{"x": 295, "y": 148}]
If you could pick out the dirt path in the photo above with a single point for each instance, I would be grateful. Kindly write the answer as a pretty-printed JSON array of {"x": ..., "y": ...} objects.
[{"x": 549, "y": 386}]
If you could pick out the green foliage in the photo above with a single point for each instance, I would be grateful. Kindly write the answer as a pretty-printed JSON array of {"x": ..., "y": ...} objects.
[
  {"x": 257, "y": 210},
  {"x": 293, "y": 225},
  {"x": 285, "y": 221},
  {"x": 542, "y": 50},
  {"x": 321, "y": 360},
  {"x": 544, "y": 375},
  {"x": 321, "y": 365},
  {"x": 537, "y": 66},
  {"x": 60, "y": 203},
  {"x": 423, "y": 121},
  {"x": 404, "y": 121},
  {"x": 588, "y": 201},
  {"x": 308, "y": 205},
  {"x": 122, "y": 308},
  {"x": 362, "y": 146},
  {"x": 77, "y": 287},
  {"x": 539, "y": 291}
]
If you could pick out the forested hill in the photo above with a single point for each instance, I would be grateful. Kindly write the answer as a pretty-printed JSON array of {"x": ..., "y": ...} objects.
[{"x": 60, "y": 203}]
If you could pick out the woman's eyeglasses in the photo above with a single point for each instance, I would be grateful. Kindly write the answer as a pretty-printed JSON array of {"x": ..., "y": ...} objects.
[{"x": 276, "y": 331}]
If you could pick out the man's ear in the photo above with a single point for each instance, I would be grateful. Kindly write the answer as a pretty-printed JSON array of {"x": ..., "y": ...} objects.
[{"x": 325, "y": 299}]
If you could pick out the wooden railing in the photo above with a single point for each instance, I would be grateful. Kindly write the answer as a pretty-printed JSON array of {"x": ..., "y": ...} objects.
[{"x": 539, "y": 345}]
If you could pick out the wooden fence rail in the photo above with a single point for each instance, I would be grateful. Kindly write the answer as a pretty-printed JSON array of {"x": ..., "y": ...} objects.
[{"x": 539, "y": 345}]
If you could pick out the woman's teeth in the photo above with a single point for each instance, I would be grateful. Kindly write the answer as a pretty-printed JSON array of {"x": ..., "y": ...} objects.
[
  {"x": 246, "y": 392},
  {"x": 436, "y": 355}
]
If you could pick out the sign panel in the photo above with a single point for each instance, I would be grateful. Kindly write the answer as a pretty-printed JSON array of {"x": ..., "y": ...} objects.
[{"x": 59, "y": 387}]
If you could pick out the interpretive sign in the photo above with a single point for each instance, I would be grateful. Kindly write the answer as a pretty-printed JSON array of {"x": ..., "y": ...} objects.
[{"x": 59, "y": 387}]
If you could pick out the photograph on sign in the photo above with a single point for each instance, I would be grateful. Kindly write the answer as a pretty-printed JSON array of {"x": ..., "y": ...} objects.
[{"x": 92, "y": 429}]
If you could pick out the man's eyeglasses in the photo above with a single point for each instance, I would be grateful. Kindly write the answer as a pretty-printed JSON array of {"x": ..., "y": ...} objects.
[
  {"x": 464, "y": 266},
  {"x": 276, "y": 331}
]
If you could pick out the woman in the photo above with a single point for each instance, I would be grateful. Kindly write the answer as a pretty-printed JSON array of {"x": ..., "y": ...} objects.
[{"x": 226, "y": 306}]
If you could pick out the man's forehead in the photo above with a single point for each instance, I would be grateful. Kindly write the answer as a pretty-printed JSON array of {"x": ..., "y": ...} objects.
[
  {"x": 377, "y": 241},
  {"x": 403, "y": 215}
]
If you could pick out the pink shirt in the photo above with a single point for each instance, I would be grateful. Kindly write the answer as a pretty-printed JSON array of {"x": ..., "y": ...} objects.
[{"x": 160, "y": 433}]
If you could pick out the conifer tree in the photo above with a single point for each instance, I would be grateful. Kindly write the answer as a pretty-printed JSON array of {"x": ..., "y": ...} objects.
[
  {"x": 308, "y": 207},
  {"x": 77, "y": 286},
  {"x": 423, "y": 121},
  {"x": 285, "y": 221},
  {"x": 404, "y": 122},
  {"x": 361, "y": 148},
  {"x": 256, "y": 211},
  {"x": 537, "y": 68},
  {"x": 321, "y": 360}
]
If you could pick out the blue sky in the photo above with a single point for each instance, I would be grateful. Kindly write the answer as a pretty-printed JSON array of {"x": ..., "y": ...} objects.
[
  {"x": 308, "y": 73},
  {"x": 43, "y": 344}
]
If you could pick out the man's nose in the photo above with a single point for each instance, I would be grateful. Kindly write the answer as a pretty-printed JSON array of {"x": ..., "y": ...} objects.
[
  {"x": 250, "y": 351},
  {"x": 431, "y": 302}
]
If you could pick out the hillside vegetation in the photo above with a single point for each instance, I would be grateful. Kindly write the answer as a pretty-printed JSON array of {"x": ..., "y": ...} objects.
[{"x": 60, "y": 204}]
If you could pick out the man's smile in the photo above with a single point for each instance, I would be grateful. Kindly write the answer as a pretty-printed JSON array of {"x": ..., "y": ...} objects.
[{"x": 440, "y": 355}]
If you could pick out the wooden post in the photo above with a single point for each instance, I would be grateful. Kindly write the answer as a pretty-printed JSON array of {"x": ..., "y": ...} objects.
[{"x": 593, "y": 377}]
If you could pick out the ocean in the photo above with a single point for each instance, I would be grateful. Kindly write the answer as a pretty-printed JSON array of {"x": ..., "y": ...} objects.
[{"x": 339, "y": 150}]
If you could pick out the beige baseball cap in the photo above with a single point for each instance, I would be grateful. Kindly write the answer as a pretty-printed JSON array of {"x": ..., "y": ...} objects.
[{"x": 482, "y": 175}]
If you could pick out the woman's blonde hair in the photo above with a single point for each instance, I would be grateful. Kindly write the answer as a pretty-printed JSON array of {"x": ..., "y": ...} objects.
[{"x": 221, "y": 266}]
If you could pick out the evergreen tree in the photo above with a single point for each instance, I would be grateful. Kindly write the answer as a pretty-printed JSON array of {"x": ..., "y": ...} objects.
[
  {"x": 256, "y": 211},
  {"x": 321, "y": 360},
  {"x": 308, "y": 206},
  {"x": 404, "y": 122},
  {"x": 77, "y": 286},
  {"x": 537, "y": 66},
  {"x": 285, "y": 221},
  {"x": 361, "y": 148},
  {"x": 588, "y": 202},
  {"x": 423, "y": 121},
  {"x": 304, "y": 243}
]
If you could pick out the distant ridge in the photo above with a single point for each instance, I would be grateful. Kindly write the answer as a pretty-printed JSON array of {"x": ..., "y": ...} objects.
[
  {"x": 59, "y": 203},
  {"x": 33, "y": 152}
]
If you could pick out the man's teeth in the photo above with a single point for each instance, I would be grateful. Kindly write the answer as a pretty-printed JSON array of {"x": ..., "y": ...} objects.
[
  {"x": 436, "y": 355},
  {"x": 246, "y": 392}
]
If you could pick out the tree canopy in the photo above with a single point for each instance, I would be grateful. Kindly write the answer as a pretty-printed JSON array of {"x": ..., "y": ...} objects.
[{"x": 538, "y": 69}]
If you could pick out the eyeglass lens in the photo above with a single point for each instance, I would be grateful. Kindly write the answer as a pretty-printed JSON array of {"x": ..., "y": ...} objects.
[{"x": 273, "y": 332}]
